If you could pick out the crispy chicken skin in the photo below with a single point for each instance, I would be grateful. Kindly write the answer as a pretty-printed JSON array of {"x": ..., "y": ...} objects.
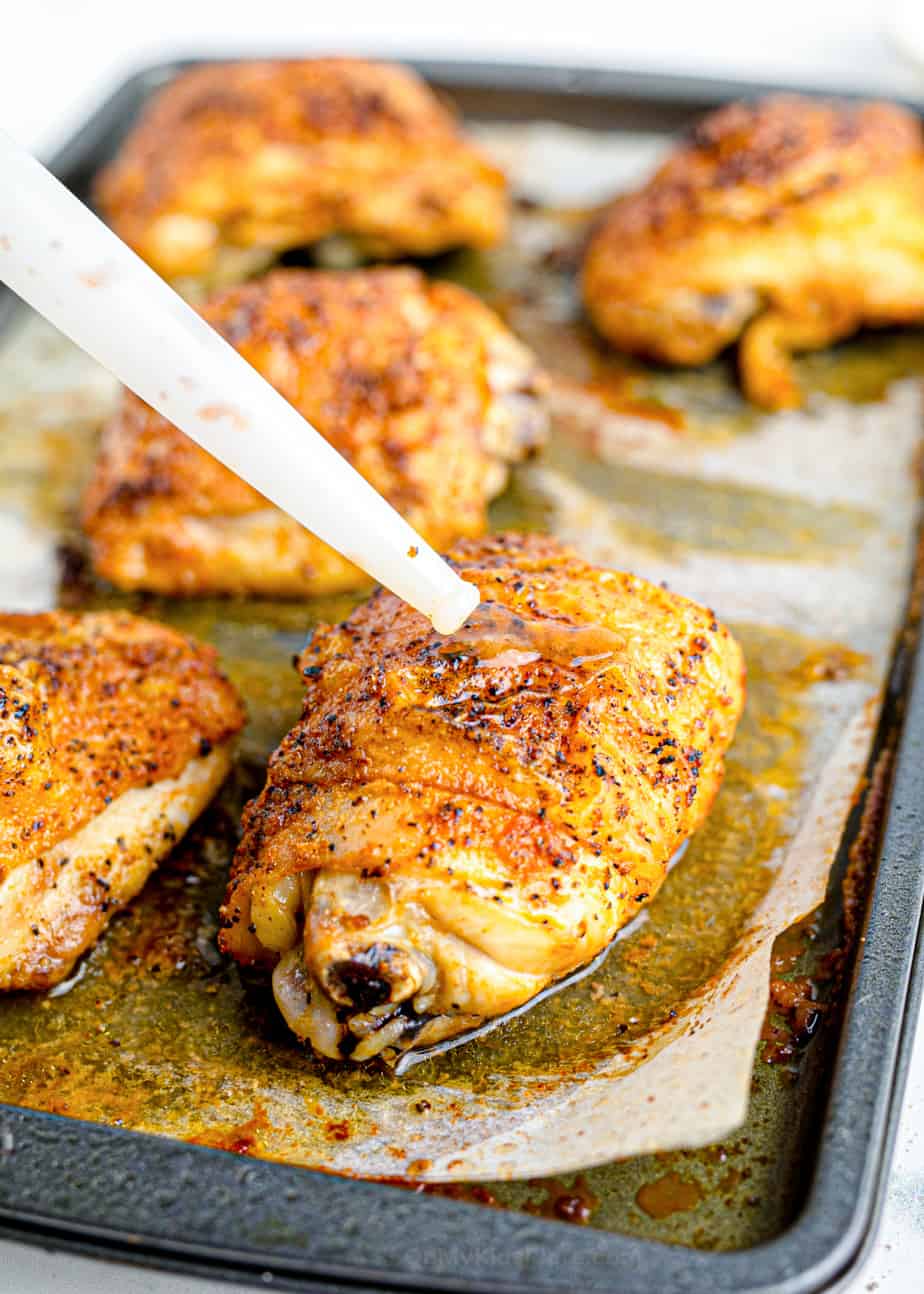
[
  {"x": 114, "y": 734},
  {"x": 784, "y": 225},
  {"x": 255, "y": 158},
  {"x": 418, "y": 384},
  {"x": 456, "y": 822}
]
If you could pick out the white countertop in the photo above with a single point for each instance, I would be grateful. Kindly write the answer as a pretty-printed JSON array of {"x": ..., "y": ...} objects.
[{"x": 61, "y": 57}]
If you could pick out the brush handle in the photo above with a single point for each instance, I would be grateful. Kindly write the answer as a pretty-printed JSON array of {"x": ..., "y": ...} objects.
[{"x": 65, "y": 263}]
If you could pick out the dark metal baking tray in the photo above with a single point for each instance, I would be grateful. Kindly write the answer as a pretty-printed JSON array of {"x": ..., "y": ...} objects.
[{"x": 97, "y": 1190}]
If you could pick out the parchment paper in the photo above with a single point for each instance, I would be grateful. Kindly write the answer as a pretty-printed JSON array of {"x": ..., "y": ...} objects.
[{"x": 797, "y": 529}]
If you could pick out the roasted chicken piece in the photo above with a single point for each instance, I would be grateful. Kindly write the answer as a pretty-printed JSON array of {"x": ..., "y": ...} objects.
[
  {"x": 234, "y": 163},
  {"x": 786, "y": 224},
  {"x": 457, "y": 822},
  {"x": 114, "y": 735},
  {"x": 418, "y": 384}
]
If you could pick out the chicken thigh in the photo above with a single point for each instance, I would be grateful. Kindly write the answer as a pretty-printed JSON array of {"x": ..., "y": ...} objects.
[
  {"x": 782, "y": 225},
  {"x": 457, "y": 822},
  {"x": 114, "y": 735},
  {"x": 418, "y": 384},
  {"x": 234, "y": 163}
]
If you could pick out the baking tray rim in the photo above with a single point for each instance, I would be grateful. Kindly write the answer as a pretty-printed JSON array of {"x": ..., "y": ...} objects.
[{"x": 836, "y": 1224}]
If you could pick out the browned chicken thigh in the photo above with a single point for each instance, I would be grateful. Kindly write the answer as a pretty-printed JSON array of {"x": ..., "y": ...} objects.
[
  {"x": 456, "y": 822},
  {"x": 234, "y": 163},
  {"x": 418, "y": 384},
  {"x": 782, "y": 225},
  {"x": 114, "y": 735}
]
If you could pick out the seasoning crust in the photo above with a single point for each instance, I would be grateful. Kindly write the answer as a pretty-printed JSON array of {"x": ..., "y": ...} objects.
[
  {"x": 418, "y": 384},
  {"x": 94, "y": 708},
  {"x": 787, "y": 223},
  {"x": 511, "y": 794},
  {"x": 266, "y": 156}
]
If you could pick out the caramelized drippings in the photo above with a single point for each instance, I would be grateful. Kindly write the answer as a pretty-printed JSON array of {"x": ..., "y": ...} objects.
[
  {"x": 469, "y": 1192},
  {"x": 831, "y": 663},
  {"x": 668, "y": 1194},
  {"x": 575, "y": 1203},
  {"x": 238, "y": 1139},
  {"x": 619, "y": 392}
]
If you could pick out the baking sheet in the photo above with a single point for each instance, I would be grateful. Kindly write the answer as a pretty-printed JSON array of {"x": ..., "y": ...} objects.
[{"x": 807, "y": 555}]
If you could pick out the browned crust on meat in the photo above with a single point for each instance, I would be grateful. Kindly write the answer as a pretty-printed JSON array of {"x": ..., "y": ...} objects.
[
  {"x": 280, "y": 154},
  {"x": 789, "y": 223},
  {"x": 748, "y": 162},
  {"x": 90, "y": 707},
  {"x": 580, "y": 713},
  {"x": 418, "y": 384}
]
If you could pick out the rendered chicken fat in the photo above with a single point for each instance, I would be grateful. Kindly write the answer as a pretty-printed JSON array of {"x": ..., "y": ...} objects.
[{"x": 474, "y": 817}]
